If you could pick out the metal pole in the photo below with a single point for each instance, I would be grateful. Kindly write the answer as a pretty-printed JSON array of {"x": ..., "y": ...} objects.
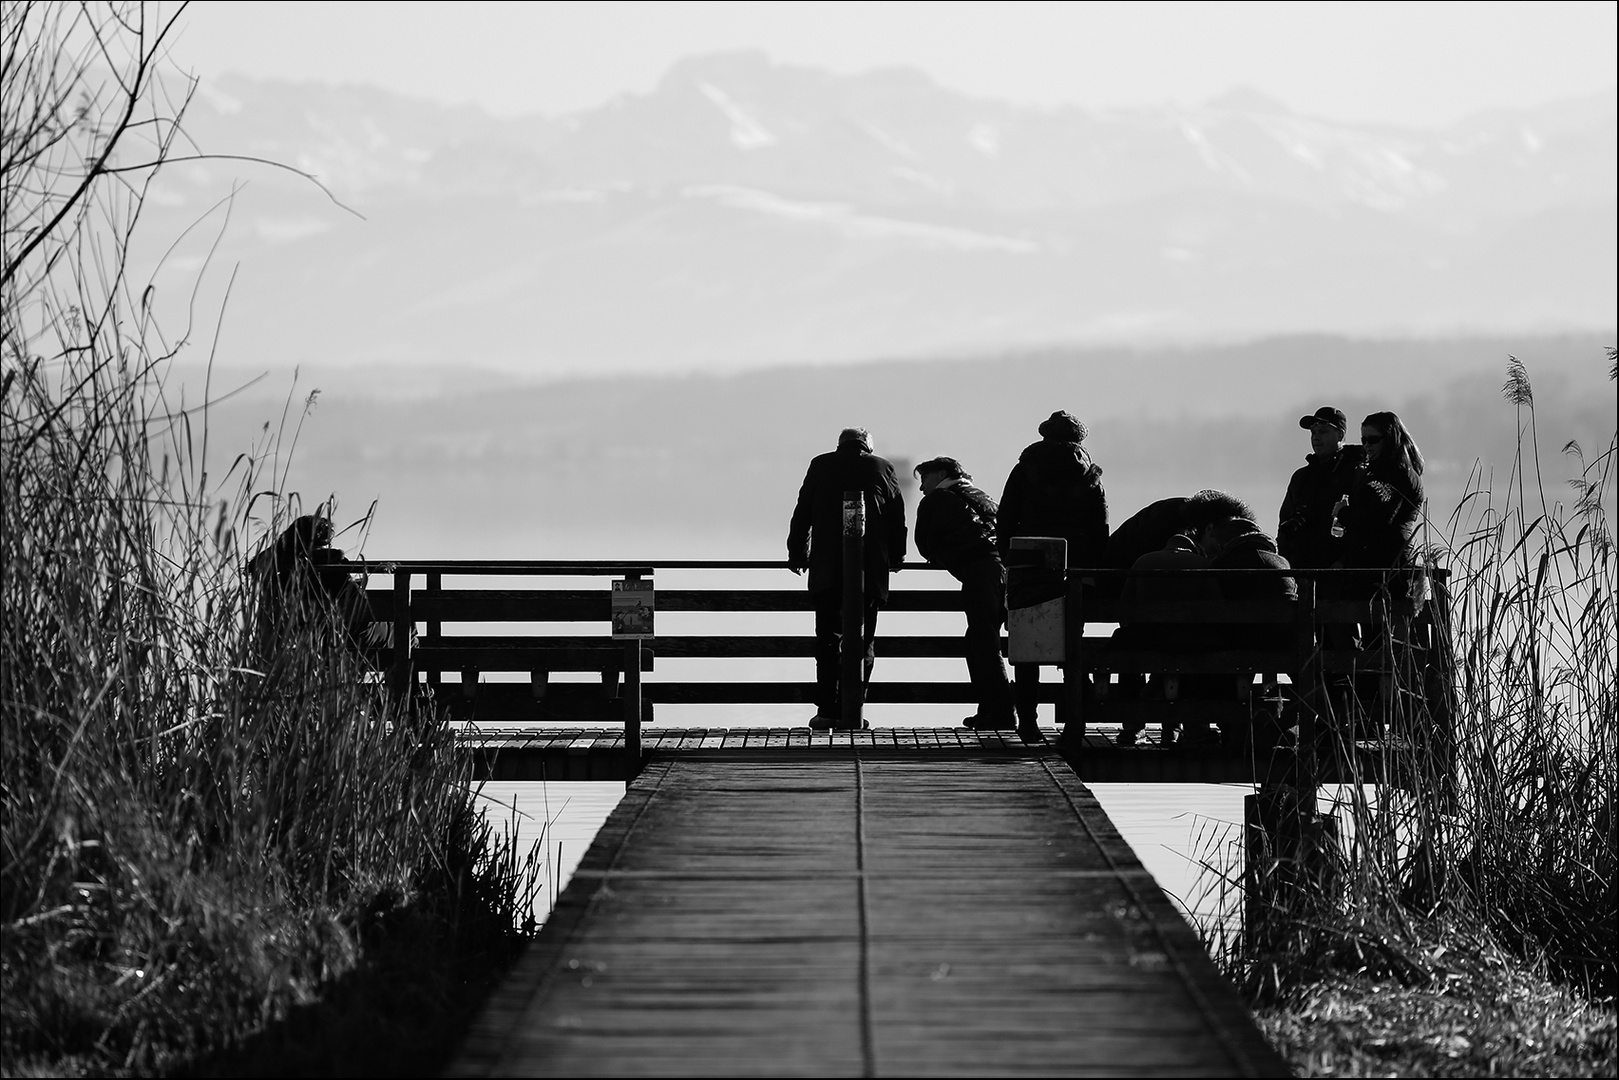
[{"x": 852, "y": 660}]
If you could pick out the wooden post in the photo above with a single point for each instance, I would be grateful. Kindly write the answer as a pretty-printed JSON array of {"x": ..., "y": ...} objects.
[
  {"x": 1439, "y": 690},
  {"x": 1073, "y": 675},
  {"x": 632, "y": 706},
  {"x": 435, "y": 587},
  {"x": 1308, "y": 683},
  {"x": 852, "y": 661},
  {"x": 632, "y": 700},
  {"x": 402, "y": 674}
]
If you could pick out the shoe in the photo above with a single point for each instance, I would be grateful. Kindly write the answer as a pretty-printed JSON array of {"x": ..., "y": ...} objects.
[
  {"x": 1125, "y": 737},
  {"x": 864, "y": 725},
  {"x": 822, "y": 722},
  {"x": 1030, "y": 733},
  {"x": 978, "y": 722}
]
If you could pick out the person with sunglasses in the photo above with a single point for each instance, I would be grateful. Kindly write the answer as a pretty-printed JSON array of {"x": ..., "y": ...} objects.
[
  {"x": 1384, "y": 504},
  {"x": 1380, "y": 517}
]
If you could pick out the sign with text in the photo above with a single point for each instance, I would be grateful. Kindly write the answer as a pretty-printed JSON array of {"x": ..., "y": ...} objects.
[{"x": 632, "y": 608}]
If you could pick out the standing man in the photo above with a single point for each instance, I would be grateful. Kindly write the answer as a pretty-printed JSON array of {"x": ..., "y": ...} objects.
[
  {"x": 1054, "y": 490},
  {"x": 955, "y": 529},
  {"x": 815, "y": 543},
  {"x": 1305, "y": 537}
]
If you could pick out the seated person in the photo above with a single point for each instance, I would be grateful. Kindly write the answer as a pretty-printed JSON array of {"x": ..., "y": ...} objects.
[{"x": 1180, "y": 552}]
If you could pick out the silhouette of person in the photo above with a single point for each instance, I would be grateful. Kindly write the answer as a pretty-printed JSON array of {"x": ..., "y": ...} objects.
[
  {"x": 815, "y": 544},
  {"x": 1053, "y": 490},
  {"x": 301, "y": 579},
  {"x": 955, "y": 529},
  {"x": 1305, "y": 537}
]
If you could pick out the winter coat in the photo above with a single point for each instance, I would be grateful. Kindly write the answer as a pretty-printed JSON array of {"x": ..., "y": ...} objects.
[
  {"x": 1178, "y": 553},
  {"x": 815, "y": 535},
  {"x": 1385, "y": 507},
  {"x": 1055, "y": 490},
  {"x": 955, "y": 525},
  {"x": 1304, "y": 536},
  {"x": 1145, "y": 531},
  {"x": 1253, "y": 550}
]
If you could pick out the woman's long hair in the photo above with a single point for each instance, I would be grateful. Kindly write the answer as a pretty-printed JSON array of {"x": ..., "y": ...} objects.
[{"x": 1402, "y": 446}]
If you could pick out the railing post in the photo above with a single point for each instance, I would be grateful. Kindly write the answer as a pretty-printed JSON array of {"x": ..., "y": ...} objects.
[
  {"x": 852, "y": 660},
  {"x": 1310, "y": 688},
  {"x": 435, "y": 587},
  {"x": 632, "y": 700},
  {"x": 400, "y": 677},
  {"x": 1073, "y": 677}
]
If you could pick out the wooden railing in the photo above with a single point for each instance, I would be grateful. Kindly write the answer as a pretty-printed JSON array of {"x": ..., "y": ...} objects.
[{"x": 1300, "y": 653}]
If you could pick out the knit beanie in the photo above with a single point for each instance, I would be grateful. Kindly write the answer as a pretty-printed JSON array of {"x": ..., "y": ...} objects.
[{"x": 1062, "y": 426}]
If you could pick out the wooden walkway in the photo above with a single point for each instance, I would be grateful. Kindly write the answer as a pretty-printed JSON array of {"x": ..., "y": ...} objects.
[
  {"x": 555, "y": 753},
  {"x": 864, "y": 910}
]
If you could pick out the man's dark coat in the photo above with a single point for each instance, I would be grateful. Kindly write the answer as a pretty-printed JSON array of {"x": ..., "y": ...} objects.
[
  {"x": 1305, "y": 537},
  {"x": 815, "y": 537}
]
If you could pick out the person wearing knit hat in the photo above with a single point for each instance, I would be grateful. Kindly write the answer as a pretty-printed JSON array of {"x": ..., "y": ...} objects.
[
  {"x": 815, "y": 544},
  {"x": 1053, "y": 490},
  {"x": 1062, "y": 426}
]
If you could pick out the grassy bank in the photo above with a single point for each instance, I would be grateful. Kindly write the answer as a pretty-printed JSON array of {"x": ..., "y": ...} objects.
[
  {"x": 1468, "y": 919},
  {"x": 222, "y": 844}
]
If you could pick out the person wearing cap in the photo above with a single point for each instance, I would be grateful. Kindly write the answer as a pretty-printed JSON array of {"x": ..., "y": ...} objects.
[
  {"x": 955, "y": 529},
  {"x": 1053, "y": 490},
  {"x": 815, "y": 544},
  {"x": 1305, "y": 537}
]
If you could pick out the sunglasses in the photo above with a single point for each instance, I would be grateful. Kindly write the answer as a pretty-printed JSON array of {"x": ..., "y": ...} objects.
[{"x": 1371, "y": 440}]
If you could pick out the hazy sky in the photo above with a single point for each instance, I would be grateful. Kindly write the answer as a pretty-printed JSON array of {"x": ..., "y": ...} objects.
[{"x": 1418, "y": 64}]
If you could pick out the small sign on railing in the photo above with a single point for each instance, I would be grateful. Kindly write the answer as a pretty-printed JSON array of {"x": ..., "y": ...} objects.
[{"x": 633, "y": 605}]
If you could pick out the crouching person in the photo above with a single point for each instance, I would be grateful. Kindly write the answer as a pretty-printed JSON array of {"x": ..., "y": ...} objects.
[{"x": 955, "y": 529}]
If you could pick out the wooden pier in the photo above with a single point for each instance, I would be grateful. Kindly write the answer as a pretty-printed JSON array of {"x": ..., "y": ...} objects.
[{"x": 905, "y": 906}]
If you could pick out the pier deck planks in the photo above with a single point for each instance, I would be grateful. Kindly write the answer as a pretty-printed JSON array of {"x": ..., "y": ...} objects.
[{"x": 864, "y": 910}]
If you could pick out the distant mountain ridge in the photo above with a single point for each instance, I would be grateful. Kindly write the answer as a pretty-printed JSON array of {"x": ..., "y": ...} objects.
[{"x": 747, "y": 214}]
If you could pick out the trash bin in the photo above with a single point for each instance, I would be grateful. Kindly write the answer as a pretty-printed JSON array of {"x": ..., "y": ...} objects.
[{"x": 1036, "y": 590}]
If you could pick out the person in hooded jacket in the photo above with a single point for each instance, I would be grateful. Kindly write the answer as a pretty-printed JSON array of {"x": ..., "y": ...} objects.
[
  {"x": 815, "y": 543},
  {"x": 1053, "y": 490},
  {"x": 1304, "y": 537},
  {"x": 956, "y": 529}
]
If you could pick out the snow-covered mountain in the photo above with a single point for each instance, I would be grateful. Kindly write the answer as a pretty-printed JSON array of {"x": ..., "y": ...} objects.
[{"x": 747, "y": 214}]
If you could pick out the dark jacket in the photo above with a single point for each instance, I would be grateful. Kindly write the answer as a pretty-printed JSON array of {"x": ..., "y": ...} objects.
[
  {"x": 1151, "y": 527},
  {"x": 1145, "y": 531},
  {"x": 1055, "y": 490},
  {"x": 1385, "y": 507},
  {"x": 1304, "y": 537},
  {"x": 1244, "y": 547},
  {"x": 815, "y": 537},
  {"x": 955, "y": 525},
  {"x": 1253, "y": 550}
]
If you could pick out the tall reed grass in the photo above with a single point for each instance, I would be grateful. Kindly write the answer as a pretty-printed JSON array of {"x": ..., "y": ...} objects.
[
  {"x": 202, "y": 825},
  {"x": 1502, "y": 831}
]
